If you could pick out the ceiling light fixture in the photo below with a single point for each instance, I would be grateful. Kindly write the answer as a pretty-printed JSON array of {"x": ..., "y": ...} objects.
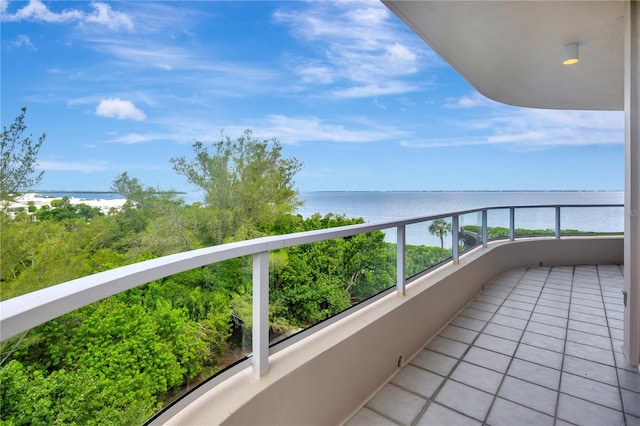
[{"x": 571, "y": 54}]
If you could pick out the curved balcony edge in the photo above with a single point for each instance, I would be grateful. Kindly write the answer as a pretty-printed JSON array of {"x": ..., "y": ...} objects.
[{"x": 327, "y": 377}]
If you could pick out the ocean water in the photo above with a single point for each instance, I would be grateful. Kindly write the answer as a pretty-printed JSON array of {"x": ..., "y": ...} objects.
[
  {"x": 386, "y": 206},
  {"x": 377, "y": 206},
  {"x": 382, "y": 206}
]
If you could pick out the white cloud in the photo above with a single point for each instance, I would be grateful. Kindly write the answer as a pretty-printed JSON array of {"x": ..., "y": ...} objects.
[
  {"x": 20, "y": 41},
  {"x": 314, "y": 73},
  {"x": 401, "y": 59},
  {"x": 213, "y": 75},
  {"x": 443, "y": 142},
  {"x": 71, "y": 166},
  {"x": 475, "y": 100},
  {"x": 288, "y": 130},
  {"x": 372, "y": 90},
  {"x": 293, "y": 130},
  {"x": 102, "y": 14},
  {"x": 144, "y": 52},
  {"x": 120, "y": 109},
  {"x": 580, "y": 119},
  {"x": 35, "y": 10},
  {"x": 358, "y": 45},
  {"x": 132, "y": 138},
  {"x": 537, "y": 129}
]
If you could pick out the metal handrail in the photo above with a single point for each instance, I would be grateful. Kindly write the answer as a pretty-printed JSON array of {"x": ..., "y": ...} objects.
[{"x": 24, "y": 312}]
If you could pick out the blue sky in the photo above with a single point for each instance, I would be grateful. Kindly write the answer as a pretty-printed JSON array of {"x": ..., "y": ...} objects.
[{"x": 345, "y": 86}]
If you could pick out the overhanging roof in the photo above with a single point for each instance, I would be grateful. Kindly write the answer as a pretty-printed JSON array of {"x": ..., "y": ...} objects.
[{"x": 512, "y": 51}]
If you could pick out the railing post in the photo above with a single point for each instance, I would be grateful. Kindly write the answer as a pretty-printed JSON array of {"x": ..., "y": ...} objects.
[
  {"x": 455, "y": 249},
  {"x": 557, "y": 222},
  {"x": 401, "y": 258},
  {"x": 260, "y": 329},
  {"x": 485, "y": 228},
  {"x": 512, "y": 223}
]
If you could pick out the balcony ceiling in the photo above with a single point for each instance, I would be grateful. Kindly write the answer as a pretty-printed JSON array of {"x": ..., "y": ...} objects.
[{"x": 512, "y": 51}]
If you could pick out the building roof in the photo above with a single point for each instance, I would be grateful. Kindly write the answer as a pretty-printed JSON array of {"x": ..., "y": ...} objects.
[{"x": 512, "y": 51}]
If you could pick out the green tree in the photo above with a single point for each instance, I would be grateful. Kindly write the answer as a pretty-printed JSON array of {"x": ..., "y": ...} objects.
[
  {"x": 311, "y": 282},
  {"x": 247, "y": 183},
  {"x": 64, "y": 211},
  {"x": 441, "y": 229},
  {"x": 152, "y": 222},
  {"x": 132, "y": 190},
  {"x": 18, "y": 157},
  {"x": 40, "y": 254},
  {"x": 421, "y": 258}
]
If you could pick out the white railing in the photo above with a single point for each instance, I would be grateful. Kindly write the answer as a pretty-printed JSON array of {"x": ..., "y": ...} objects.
[{"x": 24, "y": 312}]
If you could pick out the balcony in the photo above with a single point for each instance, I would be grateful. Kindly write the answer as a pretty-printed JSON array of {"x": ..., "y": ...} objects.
[
  {"x": 492, "y": 314},
  {"x": 537, "y": 346},
  {"x": 391, "y": 357}
]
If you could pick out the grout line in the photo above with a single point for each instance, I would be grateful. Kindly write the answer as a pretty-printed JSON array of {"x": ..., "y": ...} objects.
[
  {"x": 459, "y": 360},
  {"x": 375, "y": 411},
  {"x": 615, "y": 361},
  {"x": 506, "y": 371},
  {"x": 564, "y": 349}
]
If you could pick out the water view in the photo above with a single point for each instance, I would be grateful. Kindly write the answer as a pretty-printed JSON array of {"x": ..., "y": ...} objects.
[
  {"x": 378, "y": 206},
  {"x": 381, "y": 206}
]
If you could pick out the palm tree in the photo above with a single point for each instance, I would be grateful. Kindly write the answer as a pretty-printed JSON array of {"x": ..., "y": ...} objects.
[{"x": 441, "y": 229}]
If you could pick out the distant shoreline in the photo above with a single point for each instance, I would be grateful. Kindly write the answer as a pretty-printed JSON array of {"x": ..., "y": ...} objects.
[
  {"x": 44, "y": 192},
  {"x": 48, "y": 191},
  {"x": 475, "y": 190},
  {"x": 62, "y": 193}
]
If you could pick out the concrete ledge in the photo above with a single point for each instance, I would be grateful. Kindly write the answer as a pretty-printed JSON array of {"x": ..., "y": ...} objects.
[{"x": 328, "y": 376}]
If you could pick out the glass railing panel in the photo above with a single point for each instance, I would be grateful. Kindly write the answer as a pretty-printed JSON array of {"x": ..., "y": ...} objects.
[
  {"x": 313, "y": 282},
  {"x": 587, "y": 221},
  {"x": 428, "y": 244},
  {"x": 470, "y": 233},
  {"x": 497, "y": 224},
  {"x": 535, "y": 222},
  {"x": 121, "y": 359}
]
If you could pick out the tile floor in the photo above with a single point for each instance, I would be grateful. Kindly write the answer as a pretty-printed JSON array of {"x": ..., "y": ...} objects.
[{"x": 538, "y": 346}]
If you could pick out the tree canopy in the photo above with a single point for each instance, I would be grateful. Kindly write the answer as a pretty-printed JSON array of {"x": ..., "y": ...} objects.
[
  {"x": 247, "y": 184},
  {"x": 441, "y": 229},
  {"x": 18, "y": 158}
]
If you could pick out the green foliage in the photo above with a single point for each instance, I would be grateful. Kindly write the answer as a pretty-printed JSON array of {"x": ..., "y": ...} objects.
[
  {"x": 18, "y": 158},
  {"x": 248, "y": 185},
  {"x": 314, "y": 281},
  {"x": 496, "y": 232},
  {"x": 123, "y": 355},
  {"x": 421, "y": 258},
  {"x": 441, "y": 229},
  {"x": 132, "y": 190},
  {"x": 118, "y": 360},
  {"x": 65, "y": 211},
  {"x": 39, "y": 254},
  {"x": 33, "y": 397}
]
